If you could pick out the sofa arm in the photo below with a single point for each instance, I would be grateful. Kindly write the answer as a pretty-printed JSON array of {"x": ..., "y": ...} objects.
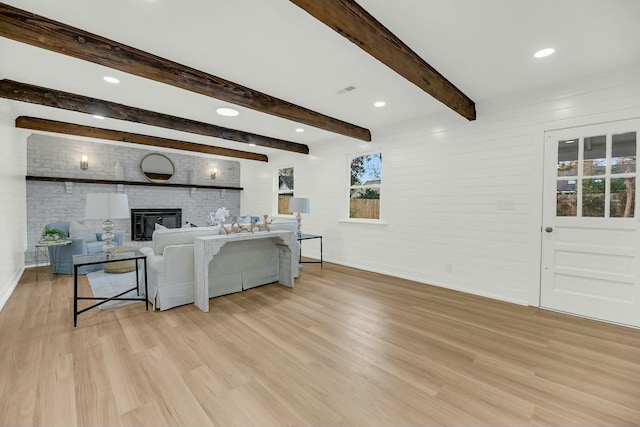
[
  {"x": 157, "y": 264},
  {"x": 78, "y": 246},
  {"x": 174, "y": 266}
]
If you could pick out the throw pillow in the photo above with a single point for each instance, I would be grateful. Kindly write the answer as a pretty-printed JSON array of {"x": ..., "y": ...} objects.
[
  {"x": 160, "y": 227},
  {"x": 81, "y": 231},
  {"x": 243, "y": 219}
]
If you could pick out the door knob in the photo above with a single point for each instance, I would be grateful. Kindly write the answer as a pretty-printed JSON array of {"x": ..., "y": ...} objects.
[{"x": 548, "y": 229}]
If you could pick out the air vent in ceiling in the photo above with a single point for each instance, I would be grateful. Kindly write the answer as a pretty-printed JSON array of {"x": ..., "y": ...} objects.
[{"x": 346, "y": 89}]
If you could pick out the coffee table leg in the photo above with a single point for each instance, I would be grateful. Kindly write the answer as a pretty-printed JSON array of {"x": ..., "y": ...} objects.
[
  {"x": 146, "y": 292},
  {"x": 137, "y": 279},
  {"x": 75, "y": 295}
]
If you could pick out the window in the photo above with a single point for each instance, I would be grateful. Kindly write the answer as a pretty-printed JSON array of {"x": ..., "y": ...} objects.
[
  {"x": 285, "y": 190},
  {"x": 364, "y": 189}
]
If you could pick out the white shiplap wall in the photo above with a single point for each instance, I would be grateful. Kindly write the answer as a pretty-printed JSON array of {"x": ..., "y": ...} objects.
[
  {"x": 443, "y": 183},
  {"x": 13, "y": 218}
]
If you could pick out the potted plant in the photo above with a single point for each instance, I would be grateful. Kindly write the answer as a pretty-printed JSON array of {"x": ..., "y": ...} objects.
[{"x": 52, "y": 235}]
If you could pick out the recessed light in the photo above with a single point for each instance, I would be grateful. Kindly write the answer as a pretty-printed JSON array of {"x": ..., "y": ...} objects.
[
  {"x": 299, "y": 130},
  {"x": 226, "y": 111},
  {"x": 379, "y": 104},
  {"x": 99, "y": 117},
  {"x": 111, "y": 80},
  {"x": 252, "y": 144},
  {"x": 544, "y": 52}
]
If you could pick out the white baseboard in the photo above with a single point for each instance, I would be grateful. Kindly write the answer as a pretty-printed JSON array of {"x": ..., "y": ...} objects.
[
  {"x": 434, "y": 283},
  {"x": 10, "y": 287}
]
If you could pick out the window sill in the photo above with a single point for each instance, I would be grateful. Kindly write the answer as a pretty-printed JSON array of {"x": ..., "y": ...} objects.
[{"x": 363, "y": 221}]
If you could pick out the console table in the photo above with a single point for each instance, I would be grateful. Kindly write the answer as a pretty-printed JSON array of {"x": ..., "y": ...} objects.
[{"x": 207, "y": 247}]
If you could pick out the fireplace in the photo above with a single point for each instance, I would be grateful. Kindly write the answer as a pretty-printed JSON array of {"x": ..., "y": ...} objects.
[{"x": 143, "y": 221}]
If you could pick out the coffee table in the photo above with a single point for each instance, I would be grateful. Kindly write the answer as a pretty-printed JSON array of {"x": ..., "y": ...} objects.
[{"x": 102, "y": 258}]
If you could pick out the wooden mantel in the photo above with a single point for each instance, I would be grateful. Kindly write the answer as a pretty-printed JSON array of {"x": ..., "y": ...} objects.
[{"x": 137, "y": 183}]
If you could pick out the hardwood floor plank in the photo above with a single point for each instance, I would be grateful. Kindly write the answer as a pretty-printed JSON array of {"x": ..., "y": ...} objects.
[
  {"x": 96, "y": 402},
  {"x": 20, "y": 370},
  {"x": 169, "y": 388},
  {"x": 342, "y": 348},
  {"x": 56, "y": 399},
  {"x": 127, "y": 380}
]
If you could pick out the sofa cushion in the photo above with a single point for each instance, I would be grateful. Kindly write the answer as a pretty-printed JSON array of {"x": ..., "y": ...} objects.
[
  {"x": 284, "y": 224},
  {"x": 81, "y": 231},
  {"x": 179, "y": 236},
  {"x": 95, "y": 247}
]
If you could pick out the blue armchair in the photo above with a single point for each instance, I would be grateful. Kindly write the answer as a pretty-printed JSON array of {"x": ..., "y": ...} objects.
[{"x": 64, "y": 254}]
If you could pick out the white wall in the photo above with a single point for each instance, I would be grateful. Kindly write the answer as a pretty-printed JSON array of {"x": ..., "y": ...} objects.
[
  {"x": 443, "y": 183},
  {"x": 13, "y": 222}
]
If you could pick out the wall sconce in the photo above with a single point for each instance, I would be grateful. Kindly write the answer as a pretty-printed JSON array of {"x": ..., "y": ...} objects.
[
  {"x": 214, "y": 172},
  {"x": 84, "y": 162}
]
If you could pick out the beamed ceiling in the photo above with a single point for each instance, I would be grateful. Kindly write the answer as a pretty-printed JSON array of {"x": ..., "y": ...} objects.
[{"x": 283, "y": 65}]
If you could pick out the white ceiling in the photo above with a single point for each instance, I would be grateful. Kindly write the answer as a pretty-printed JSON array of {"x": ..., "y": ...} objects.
[{"x": 483, "y": 47}]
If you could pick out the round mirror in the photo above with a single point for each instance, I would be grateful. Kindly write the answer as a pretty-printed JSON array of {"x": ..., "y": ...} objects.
[{"x": 157, "y": 167}]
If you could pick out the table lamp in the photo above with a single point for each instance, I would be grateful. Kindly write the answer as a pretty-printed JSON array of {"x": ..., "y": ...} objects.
[
  {"x": 107, "y": 206},
  {"x": 299, "y": 205}
]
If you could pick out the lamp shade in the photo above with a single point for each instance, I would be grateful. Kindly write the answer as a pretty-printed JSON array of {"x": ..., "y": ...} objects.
[
  {"x": 299, "y": 205},
  {"x": 106, "y": 206}
]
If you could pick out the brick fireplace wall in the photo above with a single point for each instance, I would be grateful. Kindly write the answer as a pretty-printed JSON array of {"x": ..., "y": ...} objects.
[{"x": 57, "y": 201}]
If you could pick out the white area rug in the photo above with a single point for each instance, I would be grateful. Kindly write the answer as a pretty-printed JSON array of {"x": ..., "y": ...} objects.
[{"x": 111, "y": 284}]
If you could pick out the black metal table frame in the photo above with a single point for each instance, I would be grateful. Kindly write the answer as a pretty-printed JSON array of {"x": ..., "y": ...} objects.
[
  {"x": 113, "y": 298},
  {"x": 309, "y": 237}
]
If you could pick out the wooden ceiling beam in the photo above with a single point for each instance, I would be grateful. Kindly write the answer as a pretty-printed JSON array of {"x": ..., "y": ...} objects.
[
  {"x": 27, "y": 27},
  {"x": 354, "y": 23},
  {"x": 45, "y": 125},
  {"x": 69, "y": 101}
]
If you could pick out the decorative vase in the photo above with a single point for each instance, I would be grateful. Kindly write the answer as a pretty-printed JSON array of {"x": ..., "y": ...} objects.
[
  {"x": 119, "y": 172},
  {"x": 192, "y": 176}
]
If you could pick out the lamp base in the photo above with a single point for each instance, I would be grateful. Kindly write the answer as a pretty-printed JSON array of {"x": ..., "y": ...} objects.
[
  {"x": 107, "y": 237},
  {"x": 299, "y": 219}
]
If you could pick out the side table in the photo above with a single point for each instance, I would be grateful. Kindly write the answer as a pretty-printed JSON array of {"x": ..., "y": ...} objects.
[
  {"x": 302, "y": 237},
  {"x": 42, "y": 248},
  {"x": 102, "y": 258}
]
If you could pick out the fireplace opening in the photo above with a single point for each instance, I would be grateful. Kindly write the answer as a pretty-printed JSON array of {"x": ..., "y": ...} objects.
[{"x": 143, "y": 221}]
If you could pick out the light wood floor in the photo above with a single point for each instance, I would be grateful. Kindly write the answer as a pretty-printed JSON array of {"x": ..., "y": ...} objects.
[{"x": 343, "y": 348}]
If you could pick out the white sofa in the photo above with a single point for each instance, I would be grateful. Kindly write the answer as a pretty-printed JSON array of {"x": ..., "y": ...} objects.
[{"x": 170, "y": 263}]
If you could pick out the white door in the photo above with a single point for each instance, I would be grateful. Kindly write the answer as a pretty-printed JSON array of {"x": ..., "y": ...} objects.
[{"x": 590, "y": 233}]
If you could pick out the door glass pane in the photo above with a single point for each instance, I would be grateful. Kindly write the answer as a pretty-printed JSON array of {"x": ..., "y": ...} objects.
[
  {"x": 623, "y": 153},
  {"x": 595, "y": 155},
  {"x": 623, "y": 194},
  {"x": 593, "y": 197},
  {"x": 568, "y": 157},
  {"x": 566, "y": 198}
]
